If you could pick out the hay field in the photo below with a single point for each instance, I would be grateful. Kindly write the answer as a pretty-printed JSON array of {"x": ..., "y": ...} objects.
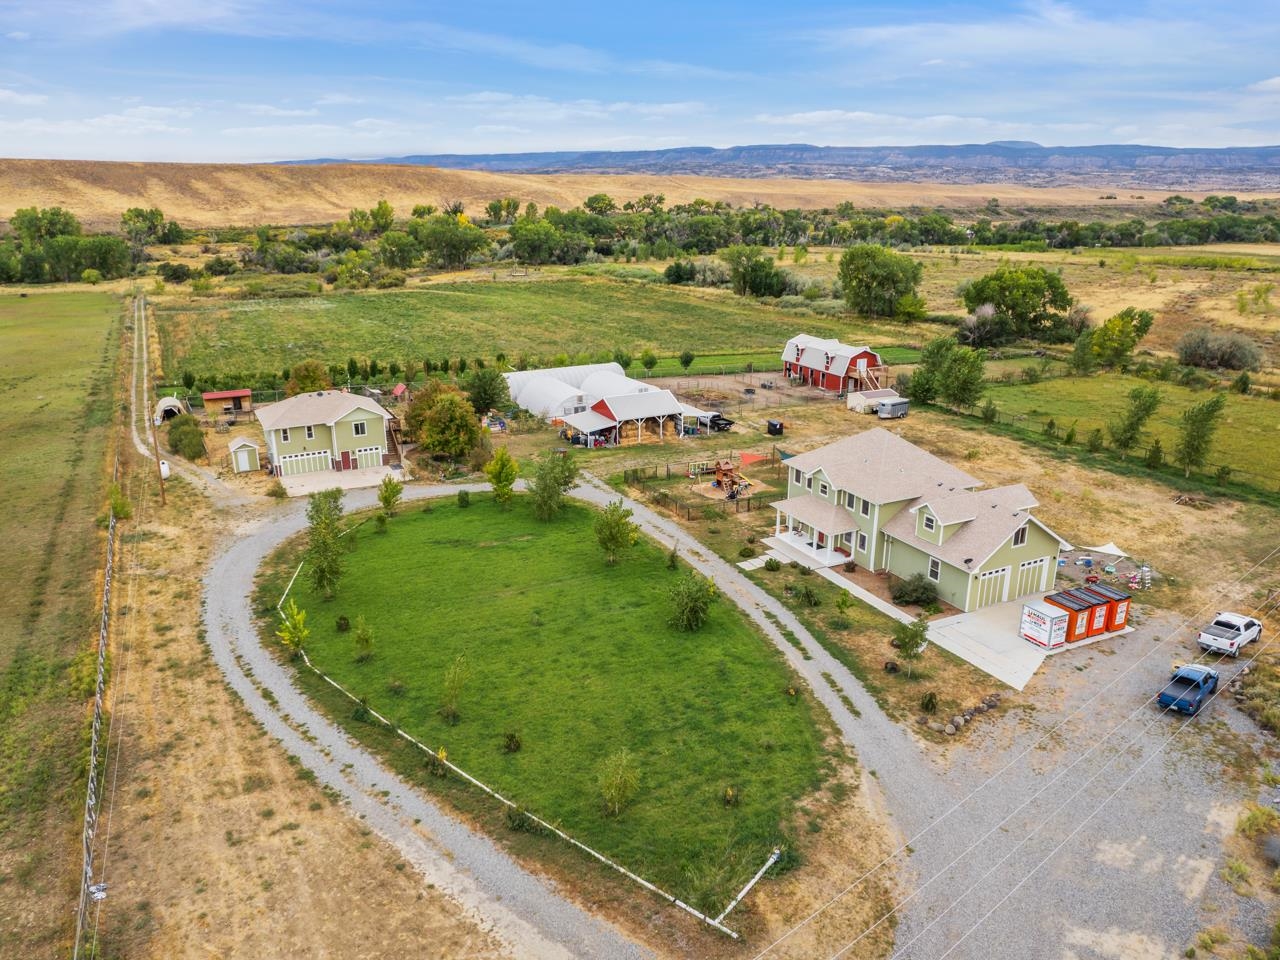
[{"x": 227, "y": 194}]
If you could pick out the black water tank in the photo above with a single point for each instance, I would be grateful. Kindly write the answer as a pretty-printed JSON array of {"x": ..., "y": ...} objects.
[{"x": 775, "y": 428}]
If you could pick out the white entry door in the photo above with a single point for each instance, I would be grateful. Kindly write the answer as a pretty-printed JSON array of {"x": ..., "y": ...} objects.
[
  {"x": 993, "y": 587},
  {"x": 242, "y": 461}
]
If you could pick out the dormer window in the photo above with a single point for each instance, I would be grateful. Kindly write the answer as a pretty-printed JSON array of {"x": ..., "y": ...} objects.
[
  {"x": 865, "y": 507},
  {"x": 1020, "y": 536},
  {"x": 930, "y": 523}
]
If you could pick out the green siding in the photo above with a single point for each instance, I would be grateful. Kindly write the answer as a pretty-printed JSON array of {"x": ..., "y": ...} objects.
[
  {"x": 298, "y": 442},
  {"x": 906, "y": 560},
  {"x": 1039, "y": 544},
  {"x": 346, "y": 438}
]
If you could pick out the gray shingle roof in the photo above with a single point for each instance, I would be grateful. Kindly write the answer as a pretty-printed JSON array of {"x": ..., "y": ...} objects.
[
  {"x": 882, "y": 467},
  {"x": 308, "y": 409},
  {"x": 989, "y": 518},
  {"x": 822, "y": 515}
]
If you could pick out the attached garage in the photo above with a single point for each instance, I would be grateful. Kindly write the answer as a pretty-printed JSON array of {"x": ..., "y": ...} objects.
[
  {"x": 369, "y": 457},
  {"x": 1032, "y": 577},
  {"x": 294, "y": 464},
  {"x": 993, "y": 587}
]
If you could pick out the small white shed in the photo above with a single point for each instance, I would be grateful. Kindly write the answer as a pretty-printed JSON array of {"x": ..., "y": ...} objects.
[
  {"x": 868, "y": 401},
  {"x": 244, "y": 456}
]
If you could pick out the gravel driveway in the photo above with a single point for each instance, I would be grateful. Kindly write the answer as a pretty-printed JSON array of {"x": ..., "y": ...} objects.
[{"x": 1138, "y": 880}]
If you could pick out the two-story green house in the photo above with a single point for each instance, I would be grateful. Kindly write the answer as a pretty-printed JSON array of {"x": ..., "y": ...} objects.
[
  {"x": 889, "y": 506},
  {"x": 324, "y": 430}
]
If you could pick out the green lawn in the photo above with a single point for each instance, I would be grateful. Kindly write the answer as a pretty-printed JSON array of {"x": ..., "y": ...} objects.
[
  {"x": 480, "y": 319},
  {"x": 1247, "y": 438},
  {"x": 56, "y": 360},
  {"x": 576, "y": 657}
]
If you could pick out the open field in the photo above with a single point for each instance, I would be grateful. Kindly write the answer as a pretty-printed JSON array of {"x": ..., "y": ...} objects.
[
  {"x": 56, "y": 361},
  {"x": 577, "y": 659},
  {"x": 213, "y": 194},
  {"x": 540, "y": 318},
  {"x": 221, "y": 844},
  {"x": 1248, "y": 437}
]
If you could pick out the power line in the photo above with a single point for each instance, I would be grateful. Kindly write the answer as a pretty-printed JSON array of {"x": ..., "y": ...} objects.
[
  {"x": 1083, "y": 823},
  {"x": 906, "y": 845}
]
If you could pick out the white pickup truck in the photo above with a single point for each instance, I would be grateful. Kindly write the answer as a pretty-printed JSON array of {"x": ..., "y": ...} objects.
[{"x": 1228, "y": 633}]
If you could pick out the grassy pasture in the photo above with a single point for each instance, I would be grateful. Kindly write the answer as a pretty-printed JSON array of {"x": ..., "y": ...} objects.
[
  {"x": 479, "y": 319},
  {"x": 56, "y": 362},
  {"x": 1248, "y": 437},
  {"x": 577, "y": 658}
]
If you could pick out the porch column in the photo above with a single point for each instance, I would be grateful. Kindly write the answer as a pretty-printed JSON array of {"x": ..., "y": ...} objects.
[{"x": 777, "y": 522}]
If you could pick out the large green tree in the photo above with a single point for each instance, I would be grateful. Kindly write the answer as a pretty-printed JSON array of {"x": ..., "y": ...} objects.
[
  {"x": 307, "y": 377},
  {"x": 875, "y": 279},
  {"x": 1196, "y": 428},
  {"x": 450, "y": 428},
  {"x": 449, "y": 241},
  {"x": 398, "y": 250},
  {"x": 1033, "y": 300},
  {"x": 554, "y": 475},
  {"x": 615, "y": 531},
  {"x": 1126, "y": 430},
  {"x": 1114, "y": 341},
  {"x": 947, "y": 372},
  {"x": 486, "y": 388}
]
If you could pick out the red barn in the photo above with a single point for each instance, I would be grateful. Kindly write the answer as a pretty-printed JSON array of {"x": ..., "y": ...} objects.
[{"x": 832, "y": 365}]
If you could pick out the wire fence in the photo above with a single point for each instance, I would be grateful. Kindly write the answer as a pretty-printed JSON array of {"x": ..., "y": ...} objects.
[
  {"x": 91, "y": 892},
  {"x": 439, "y": 760},
  {"x": 1066, "y": 435}
]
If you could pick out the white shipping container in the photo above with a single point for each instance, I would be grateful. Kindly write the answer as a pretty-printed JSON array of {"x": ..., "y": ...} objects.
[{"x": 1044, "y": 624}]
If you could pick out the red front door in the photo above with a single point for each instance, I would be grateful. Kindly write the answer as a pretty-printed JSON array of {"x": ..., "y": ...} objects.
[{"x": 346, "y": 460}]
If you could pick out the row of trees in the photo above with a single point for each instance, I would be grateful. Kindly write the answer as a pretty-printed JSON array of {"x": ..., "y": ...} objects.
[{"x": 50, "y": 245}]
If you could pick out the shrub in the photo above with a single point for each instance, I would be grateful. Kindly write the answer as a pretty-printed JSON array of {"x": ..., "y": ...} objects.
[
  {"x": 1094, "y": 442},
  {"x": 519, "y": 820},
  {"x": 1222, "y": 475},
  {"x": 850, "y": 566},
  {"x": 396, "y": 687},
  {"x": 511, "y": 742},
  {"x": 772, "y": 564},
  {"x": 916, "y": 589},
  {"x": 929, "y": 702},
  {"x": 344, "y": 623},
  {"x": 618, "y": 779},
  {"x": 1069, "y": 437},
  {"x": 1257, "y": 820},
  {"x": 1213, "y": 350},
  {"x": 1242, "y": 384},
  {"x": 747, "y": 552},
  {"x": 808, "y": 596},
  {"x": 989, "y": 411},
  {"x": 277, "y": 490},
  {"x": 1154, "y": 459},
  {"x": 691, "y": 598},
  {"x": 464, "y": 498}
]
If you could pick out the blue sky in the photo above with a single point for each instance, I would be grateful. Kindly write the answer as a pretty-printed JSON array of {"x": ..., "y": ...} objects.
[{"x": 242, "y": 80}]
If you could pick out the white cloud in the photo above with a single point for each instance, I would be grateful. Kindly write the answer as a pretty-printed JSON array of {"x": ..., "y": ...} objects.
[
  {"x": 337, "y": 99},
  {"x": 1265, "y": 86},
  {"x": 270, "y": 110},
  {"x": 18, "y": 35},
  {"x": 870, "y": 128},
  {"x": 135, "y": 120},
  {"x": 21, "y": 99}
]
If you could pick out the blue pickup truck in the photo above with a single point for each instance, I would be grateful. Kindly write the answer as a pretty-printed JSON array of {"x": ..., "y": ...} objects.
[{"x": 1188, "y": 689}]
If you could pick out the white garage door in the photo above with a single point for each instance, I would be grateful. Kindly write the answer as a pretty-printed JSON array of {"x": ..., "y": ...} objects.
[
  {"x": 1031, "y": 576},
  {"x": 297, "y": 463},
  {"x": 992, "y": 587},
  {"x": 369, "y": 457}
]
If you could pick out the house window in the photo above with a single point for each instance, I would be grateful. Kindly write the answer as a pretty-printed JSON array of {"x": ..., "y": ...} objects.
[
  {"x": 865, "y": 507},
  {"x": 311, "y": 433},
  {"x": 929, "y": 522},
  {"x": 822, "y": 489},
  {"x": 1020, "y": 536},
  {"x": 798, "y": 477},
  {"x": 808, "y": 483},
  {"x": 361, "y": 428},
  {"x": 284, "y": 435},
  {"x": 935, "y": 569},
  {"x": 862, "y": 542}
]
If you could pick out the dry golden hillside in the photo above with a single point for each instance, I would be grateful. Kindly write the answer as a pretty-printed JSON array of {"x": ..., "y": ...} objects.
[{"x": 224, "y": 194}]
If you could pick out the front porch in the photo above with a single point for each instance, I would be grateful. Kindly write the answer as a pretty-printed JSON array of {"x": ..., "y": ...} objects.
[{"x": 812, "y": 531}]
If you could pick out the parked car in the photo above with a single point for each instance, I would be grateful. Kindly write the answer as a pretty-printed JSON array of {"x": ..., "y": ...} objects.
[
  {"x": 1188, "y": 689},
  {"x": 1228, "y": 633}
]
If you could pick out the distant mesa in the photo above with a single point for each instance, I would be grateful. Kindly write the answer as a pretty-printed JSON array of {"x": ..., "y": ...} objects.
[{"x": 1001, "y": 161}]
